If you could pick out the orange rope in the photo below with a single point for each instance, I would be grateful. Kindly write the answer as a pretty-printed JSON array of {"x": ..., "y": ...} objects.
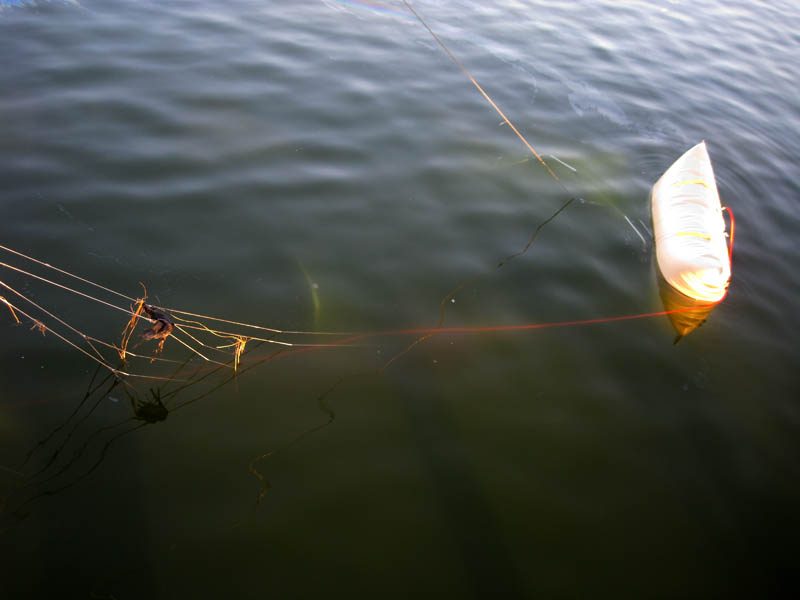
[
  {"x": 530, "y": 326},
  {"x": 733, "y": 231}
]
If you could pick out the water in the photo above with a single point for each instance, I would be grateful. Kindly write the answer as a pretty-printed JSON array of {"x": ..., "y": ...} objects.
[{"x": 325, "y": 166}]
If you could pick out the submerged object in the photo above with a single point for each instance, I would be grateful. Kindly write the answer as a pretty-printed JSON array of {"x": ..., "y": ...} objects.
[
  {"x": 689, "y": 230},
  {"x": 686, "y": 314}
]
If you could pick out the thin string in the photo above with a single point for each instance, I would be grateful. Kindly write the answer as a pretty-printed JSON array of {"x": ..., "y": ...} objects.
[
  {"x": 449, "y": 295},
  {"x": 175, "y": 311},
  {"x": 486, "y": 96},
  {"x": 116, "y": 372},
  {"x": 134, "y": 300},
  {"x": 52, "y": 316},
  {"x": 463, "y": 284},
  {"x": 67, "y": 273},
  {"x": 69, "y": 289},
  {"x": 135, "y": 315}
]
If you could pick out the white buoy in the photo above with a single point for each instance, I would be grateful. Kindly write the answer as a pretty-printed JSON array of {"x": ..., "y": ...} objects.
[{"x": 691, "y": 247}]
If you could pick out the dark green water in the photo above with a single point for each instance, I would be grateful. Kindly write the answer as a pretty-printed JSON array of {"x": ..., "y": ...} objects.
[{"x": 323, "y": 165}]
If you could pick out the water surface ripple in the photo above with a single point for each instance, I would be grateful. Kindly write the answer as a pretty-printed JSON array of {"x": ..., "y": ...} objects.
[{"x": 324, "y": 165}]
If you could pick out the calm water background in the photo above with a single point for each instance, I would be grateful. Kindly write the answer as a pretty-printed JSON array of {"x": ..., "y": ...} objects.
[{"x": 241, "y": 157}]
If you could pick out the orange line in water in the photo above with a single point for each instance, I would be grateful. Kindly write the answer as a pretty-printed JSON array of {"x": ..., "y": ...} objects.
[
  {"x": 485, "y": 329},
  {"x": 532, "y": 326}
]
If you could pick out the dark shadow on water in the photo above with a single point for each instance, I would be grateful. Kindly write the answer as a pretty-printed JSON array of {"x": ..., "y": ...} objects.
[
  {"x": 76, "y": 448},
  {"x": 55, "y": 541},
  {"x": 68, "y": 546},
  {"x": 465, "y": 509}
]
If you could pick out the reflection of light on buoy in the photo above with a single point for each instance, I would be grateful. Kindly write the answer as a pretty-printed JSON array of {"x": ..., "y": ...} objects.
[{"x": 690, "y": 239}]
